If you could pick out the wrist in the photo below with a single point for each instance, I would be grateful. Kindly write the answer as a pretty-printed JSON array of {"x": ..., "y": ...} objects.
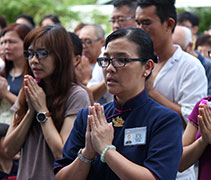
[
  {"x": 83, "y": 158},
  {"x": 102, "y": 156}
]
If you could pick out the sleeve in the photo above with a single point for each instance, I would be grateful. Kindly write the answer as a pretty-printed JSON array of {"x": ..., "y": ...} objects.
[
  {"x": 97, "y": 76},
  {"x": 165, "y": 146},
  {"x": 75, "y": 141},
  {"x": 193, "y": 87},
  {"x": 77, "y": 100}
]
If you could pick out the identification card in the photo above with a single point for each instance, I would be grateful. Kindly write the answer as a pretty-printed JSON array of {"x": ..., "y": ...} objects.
[{"x": 135, "y": 136}]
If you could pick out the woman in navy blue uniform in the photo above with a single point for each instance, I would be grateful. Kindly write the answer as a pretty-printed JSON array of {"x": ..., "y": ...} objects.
[{"x": 97, "y": 147}]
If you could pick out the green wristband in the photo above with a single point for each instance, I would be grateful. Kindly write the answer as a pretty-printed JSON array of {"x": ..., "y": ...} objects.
[{"x": 104, "y": 151}]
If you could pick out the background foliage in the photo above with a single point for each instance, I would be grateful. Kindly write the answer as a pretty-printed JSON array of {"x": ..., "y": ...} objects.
[{"x": 10, "y": 9}]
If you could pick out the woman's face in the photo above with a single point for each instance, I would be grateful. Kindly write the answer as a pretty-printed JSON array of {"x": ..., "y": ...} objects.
[
  {"x": 47, "y": 22},
  {"x": 127, "y": 81},
  {"x": 13, "y": 46},
  {"x": 43, "y": 66}
]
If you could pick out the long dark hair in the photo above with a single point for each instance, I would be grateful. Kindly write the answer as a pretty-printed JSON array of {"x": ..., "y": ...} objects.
[{"x": 57, "y": 41}]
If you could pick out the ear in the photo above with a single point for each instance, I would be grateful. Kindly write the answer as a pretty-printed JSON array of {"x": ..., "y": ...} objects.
[
  {"x": 148, "y": 67},
  {"x": 189, "y": 48},
  {"x": 170, "y": 23},
  {"x": 76, "y": 60},
  {"x": 195, "y": 29}
]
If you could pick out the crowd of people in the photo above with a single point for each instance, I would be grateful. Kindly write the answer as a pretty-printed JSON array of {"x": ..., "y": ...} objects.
[{"x": 133, "y": 105}]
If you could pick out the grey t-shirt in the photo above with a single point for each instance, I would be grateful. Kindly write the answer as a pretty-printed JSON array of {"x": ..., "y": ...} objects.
[{"x": 36, "y": 161}]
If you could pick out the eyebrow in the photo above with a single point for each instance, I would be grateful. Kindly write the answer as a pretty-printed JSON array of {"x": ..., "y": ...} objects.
[{"x": 118, "y": 54}]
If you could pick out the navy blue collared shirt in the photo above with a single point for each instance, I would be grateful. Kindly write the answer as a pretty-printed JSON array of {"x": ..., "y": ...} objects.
[{"x": 161, "y": 151}]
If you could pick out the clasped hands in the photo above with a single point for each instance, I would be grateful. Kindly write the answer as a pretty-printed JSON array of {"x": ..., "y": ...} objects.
[
  {"x": 204, "y": 120},
  {"x": 35, "y": 96},
  {"x": 99, "y": 132}
]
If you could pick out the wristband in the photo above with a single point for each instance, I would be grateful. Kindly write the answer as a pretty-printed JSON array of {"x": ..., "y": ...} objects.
[
  {"x": 104, "y": 151},
  {"x": 84, "y": 159}
]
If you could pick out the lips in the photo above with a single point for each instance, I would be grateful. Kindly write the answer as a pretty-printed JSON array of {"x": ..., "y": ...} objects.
[{"x": 111, "y": 80}]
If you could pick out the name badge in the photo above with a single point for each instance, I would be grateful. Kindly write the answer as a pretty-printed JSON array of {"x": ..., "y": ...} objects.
[{"x": 135, "y": 136}]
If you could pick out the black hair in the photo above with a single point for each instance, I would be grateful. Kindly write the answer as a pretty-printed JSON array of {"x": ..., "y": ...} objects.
[
  {"x": 77, "y": 44},
  {"x": 139, "y": 37},
  {"x": 204, "y": 39},
  {"x": 27, "y": 17},
  {"x": 3, "y": 129},
  {"x": 132, "y": 4},
  {"x": 188, "y": 16},
  {"x": 164, "y": 9},
  {"x": 3, "y": 22},
  {"x": 52, "y": 17}
]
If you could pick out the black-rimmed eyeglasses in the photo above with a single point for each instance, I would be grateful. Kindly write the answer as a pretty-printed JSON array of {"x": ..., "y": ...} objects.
[
  {"x": 40, "y": 54},
  {"x": 116, "y": 62},
  {"x": 120, "y": 19}
]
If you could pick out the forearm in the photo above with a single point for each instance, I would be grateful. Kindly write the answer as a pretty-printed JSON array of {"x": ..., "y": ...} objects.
[
  {"x": 10, "y": 97},
  {"x": 17, "y": 135},
  {"x": 161, "y": 99},
  {"x": 98, "y": 90},
  {"x": 53, "y": 138},
  {"x": 126, "y": 169},
  {"x": 192, "y": 153},
  {"x": 77, "y": 170}
]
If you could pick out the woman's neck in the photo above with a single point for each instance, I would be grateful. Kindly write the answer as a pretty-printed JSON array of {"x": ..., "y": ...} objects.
[{"x": 18, "y": 67}]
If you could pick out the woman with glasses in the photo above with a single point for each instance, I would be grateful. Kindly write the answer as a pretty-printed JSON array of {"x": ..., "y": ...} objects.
[
  {"x": 48, "y": 103},
  {"x": 12, "y": 76},
  {"x": 97, "y": 146}
]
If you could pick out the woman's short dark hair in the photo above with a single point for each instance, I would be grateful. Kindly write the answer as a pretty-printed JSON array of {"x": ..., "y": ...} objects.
[
  {"x": 137, "y": 36},
  {"x": 52, "y": 17},
  {"x": 27, "y": 17}
]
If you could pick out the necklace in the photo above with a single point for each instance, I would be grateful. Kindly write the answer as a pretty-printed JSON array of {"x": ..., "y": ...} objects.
[{"x": 13, "y": 78}]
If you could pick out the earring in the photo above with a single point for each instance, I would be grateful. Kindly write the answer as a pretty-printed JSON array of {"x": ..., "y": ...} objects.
[{"x": 145, "y": 74}]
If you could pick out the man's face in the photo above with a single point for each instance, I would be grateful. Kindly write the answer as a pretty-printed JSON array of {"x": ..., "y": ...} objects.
[
  {"x": 149, "y": 21},
  {"x": 91, "y": 44},
  {"x": 122, "y": 17}
]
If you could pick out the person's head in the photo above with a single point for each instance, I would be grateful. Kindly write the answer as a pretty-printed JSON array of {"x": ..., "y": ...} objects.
[
  {"x": 3, "y": 23},
  {"x": 123, "y": 14},
  {"x": 92, "y": 37},
  {"x": 189, "y": 20},
  {"x": 203, "y": 45},
  {"x": 78, "y": 28},
  {"x": 125, "y": 78},
  {"x": 25, "y": 19},
  {"x": 158, "y": 19},
  {"x": 77, "y": 48},
  {"x": 13, "y": 37},
  {"x": 183, "y": 37},
  {"x": 49, "y": 53},
  {"x": 50, "y": 19}
]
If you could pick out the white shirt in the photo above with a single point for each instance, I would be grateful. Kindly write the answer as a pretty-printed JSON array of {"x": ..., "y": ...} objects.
[
  {"x": 98, "y": 77},
  {"x": 183, "y": 81}
]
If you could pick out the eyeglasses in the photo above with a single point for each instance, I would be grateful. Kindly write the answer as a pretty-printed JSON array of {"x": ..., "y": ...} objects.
[
  {"x": 116, "y": 62},
  {"x": 209, "y": 53},
  {"x": 120, "y": 20},
  {"x": 40, "y": 54},
  {"x": 88, "y": 41}
]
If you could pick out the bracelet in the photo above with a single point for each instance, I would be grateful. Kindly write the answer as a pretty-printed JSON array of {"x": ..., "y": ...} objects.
[
  {"x": 104, "y": 151},
  {"x": 84, "y": 159}
]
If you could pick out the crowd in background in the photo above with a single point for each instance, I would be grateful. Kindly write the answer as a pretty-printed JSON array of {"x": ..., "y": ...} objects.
[{"x": 133, "y": 105}]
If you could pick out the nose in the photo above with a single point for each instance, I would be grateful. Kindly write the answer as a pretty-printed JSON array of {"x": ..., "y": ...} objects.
[
  {"x": 34, "y": 60},
  {"x": 110, "y": 68}
]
